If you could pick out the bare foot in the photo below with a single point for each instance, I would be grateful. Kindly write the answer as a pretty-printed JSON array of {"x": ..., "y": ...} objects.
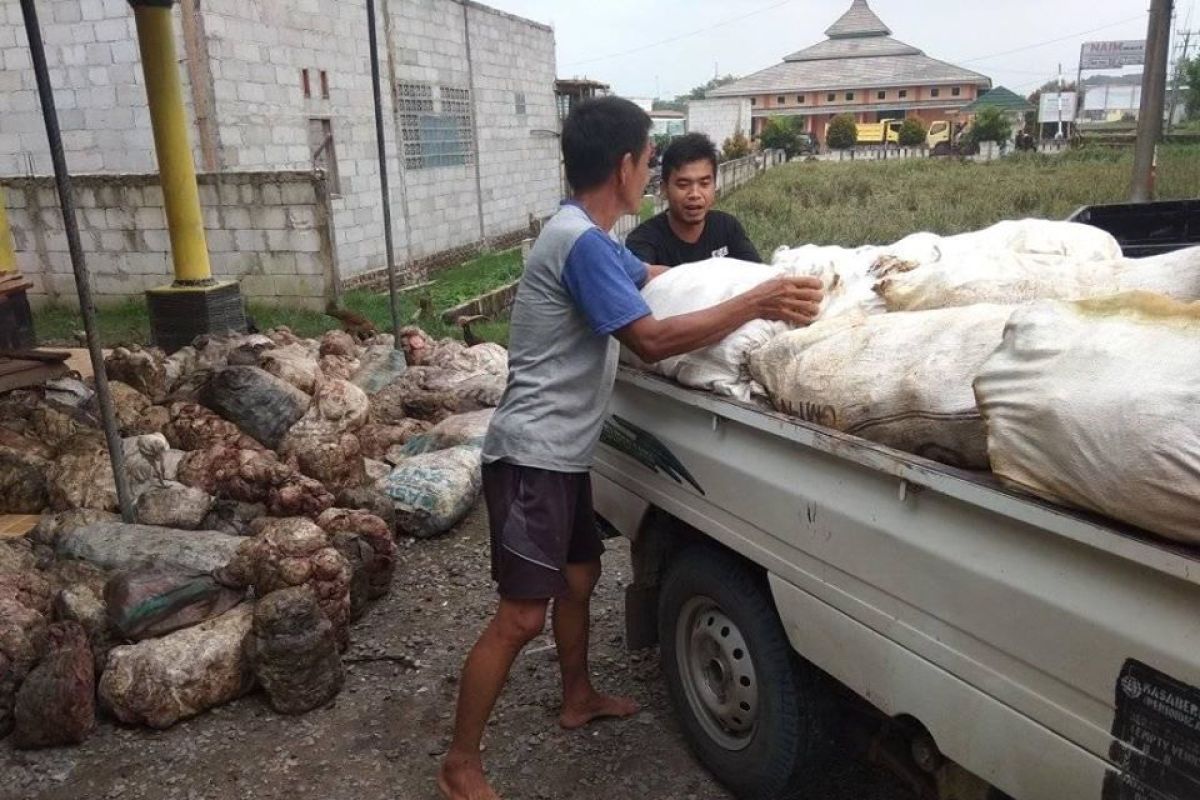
[
  {"x": 462, "y": 779},
  {"x": 598, "y": 706}
]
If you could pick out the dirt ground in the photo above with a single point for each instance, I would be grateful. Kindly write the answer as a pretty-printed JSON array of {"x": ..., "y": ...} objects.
[{"x": 383, "y": 736}]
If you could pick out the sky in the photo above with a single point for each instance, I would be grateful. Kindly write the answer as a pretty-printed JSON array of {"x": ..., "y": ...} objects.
[{"x": 647, "y": 48}]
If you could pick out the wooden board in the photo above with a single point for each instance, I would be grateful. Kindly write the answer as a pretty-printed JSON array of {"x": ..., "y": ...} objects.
[{"x": 14, "y": 526}]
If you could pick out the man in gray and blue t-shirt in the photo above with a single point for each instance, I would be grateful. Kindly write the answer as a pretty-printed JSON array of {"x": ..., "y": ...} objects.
[{"x": 578, "y": 297}]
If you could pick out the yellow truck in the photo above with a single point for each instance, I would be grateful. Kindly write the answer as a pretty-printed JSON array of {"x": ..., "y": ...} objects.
[{"x": 941, "y": 132}]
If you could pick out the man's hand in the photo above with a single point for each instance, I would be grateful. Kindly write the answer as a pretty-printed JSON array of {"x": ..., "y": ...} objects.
[
  {"x": 796, "y": 301},
  {"x": 654, "y": 270}
]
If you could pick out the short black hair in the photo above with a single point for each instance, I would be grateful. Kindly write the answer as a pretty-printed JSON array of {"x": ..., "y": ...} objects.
[
  {"x": 597, "y": 134},
  {"x": 686, "y": 149}
]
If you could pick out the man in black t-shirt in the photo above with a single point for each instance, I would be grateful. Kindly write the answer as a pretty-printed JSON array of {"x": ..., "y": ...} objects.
[{"x": 689, "y": 230}]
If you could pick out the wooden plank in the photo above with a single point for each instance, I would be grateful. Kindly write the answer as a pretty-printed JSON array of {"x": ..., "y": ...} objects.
[
  {"x": 41, "y": 356},
  {"x": 8, "y": 366},
  {"x": 32, "y": 377}
]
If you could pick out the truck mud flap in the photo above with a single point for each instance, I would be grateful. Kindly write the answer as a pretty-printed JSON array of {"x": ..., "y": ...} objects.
[{"x": 1156, "y": 737}]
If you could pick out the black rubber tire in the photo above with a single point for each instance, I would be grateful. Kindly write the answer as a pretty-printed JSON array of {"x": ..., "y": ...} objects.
[{"x": 789, "y": 733}]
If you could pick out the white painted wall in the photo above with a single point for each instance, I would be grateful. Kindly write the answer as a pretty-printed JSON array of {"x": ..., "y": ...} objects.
[{"x": 719, "y": 118}]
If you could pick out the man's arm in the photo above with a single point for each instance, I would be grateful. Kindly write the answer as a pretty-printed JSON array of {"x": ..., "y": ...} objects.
[
  {"x": 654, "y": 270},
  {"x": 796, "y": 301}
]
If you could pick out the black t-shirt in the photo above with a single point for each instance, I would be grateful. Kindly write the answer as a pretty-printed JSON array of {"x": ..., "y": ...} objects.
[{"x": 655, "y": 243}]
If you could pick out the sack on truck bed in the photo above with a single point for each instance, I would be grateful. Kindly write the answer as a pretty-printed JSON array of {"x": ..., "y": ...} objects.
[
  {"x": 720, "y": 368},
  {"x": 1094, "y": 404},
  {"x": 432, "y": 492},
  {"x": 902, "y": 380}
]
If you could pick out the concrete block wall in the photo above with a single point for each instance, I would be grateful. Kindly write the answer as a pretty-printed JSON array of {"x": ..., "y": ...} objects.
[
  {"x": 719, "y": 118},
  {"x": 100, "y": 94},
  {"x": 270, "y": 230},
  {"x": 519, "y": 153}
]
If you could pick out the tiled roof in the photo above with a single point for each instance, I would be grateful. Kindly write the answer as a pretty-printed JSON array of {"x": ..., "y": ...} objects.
[
  {"x": 1003, "y": 99},
  {"x": 876, "y": 72},
  {"x": 860, "y": 20},
  {"x": 860, "y": 53}
]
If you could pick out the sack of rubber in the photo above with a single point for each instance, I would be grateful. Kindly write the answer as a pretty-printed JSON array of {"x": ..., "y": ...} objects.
[
  {"x": 846, "y": 275},
  {"x": 999, "y": 276},
  {"x": 720, "y": 368},
  {"x": 433, "y": 491},
  {"x": 1094, "y": 404},
  {"x": 461, "y": 429},
  {"x": 153, "y": 601},
  {"x": 902, "y": 380}
]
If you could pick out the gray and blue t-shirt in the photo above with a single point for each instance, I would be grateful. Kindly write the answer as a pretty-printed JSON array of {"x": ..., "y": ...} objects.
[{"x": 580, "y": 286}]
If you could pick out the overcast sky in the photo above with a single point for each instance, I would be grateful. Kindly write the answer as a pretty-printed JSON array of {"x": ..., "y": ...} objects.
[{"x": 640, "y": 46}]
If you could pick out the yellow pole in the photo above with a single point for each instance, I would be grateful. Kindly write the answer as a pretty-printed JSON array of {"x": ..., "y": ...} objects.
[
  {"x": 181, "y": 197},
  {"x": 8, "y": 255}
]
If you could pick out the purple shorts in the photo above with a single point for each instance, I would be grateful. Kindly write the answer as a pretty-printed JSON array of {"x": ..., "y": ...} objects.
[{"x": 540, "y": 521}]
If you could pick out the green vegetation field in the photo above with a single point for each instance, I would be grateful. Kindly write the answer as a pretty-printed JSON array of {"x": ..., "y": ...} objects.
[
  {"x": 880, "y": 202},
  {"x": 130, "y": 323}
]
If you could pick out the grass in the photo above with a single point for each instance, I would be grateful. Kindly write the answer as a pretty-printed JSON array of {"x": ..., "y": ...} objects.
[
  {"x": 130, "y": 324},
  {"x": 880, "y": 202}
]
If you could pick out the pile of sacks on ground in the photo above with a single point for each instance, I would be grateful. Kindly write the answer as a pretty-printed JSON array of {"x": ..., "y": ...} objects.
[
  {"x": 272, "y": 475},
  {"x": 1032, "y": 348}
]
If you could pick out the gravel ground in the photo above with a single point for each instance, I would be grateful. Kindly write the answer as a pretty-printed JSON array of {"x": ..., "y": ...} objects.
[{"x": 384, "y": 734}]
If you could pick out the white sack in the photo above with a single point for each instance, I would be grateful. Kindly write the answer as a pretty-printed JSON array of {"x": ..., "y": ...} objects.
[
  {"x": 996, "y": 276},
  {"x": 846, "y": 275},
  {"x": 1097, "y": 405},
  {"x": 433, "y": 491},
  {"x": 720, "y": 368},
  {"x": 902, "y": 380},
  {"x": 1070, "y": 240}
]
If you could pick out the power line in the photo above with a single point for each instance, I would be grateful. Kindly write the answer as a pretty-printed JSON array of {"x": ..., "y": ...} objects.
[
  {"x": 1050, "y": 41},
  {"x": 680, "y": 36}
]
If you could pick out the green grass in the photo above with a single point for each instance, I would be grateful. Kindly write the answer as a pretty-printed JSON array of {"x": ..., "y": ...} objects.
[
  {"x": 130, "y": 323},
  {"x": 881, "y": 202},
  {"x": 647, "y": 210}
]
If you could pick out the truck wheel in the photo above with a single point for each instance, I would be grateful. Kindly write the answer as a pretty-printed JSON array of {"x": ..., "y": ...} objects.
[{"x": 731, "y": 675}]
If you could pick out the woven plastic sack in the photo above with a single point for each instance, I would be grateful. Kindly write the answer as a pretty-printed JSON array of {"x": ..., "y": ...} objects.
[
  {"x": 902, "y": 380},
  {"x": 846, "y": 275},
  {"x": 432, "y": 492},
  {"x": 720, "y": 368},
  {"x": 461, "y": 429},
  {"x": 154, "y": 601},
  {"x": 1094, "y": 404}
]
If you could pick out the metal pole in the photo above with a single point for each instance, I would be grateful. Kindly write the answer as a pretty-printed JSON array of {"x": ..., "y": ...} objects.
[
  {"x": 8, "y": 253},
  {"x": 389, "y": 246},
  {"x": 66, "y": 199},
  {"x": 1150, "y": 116}
]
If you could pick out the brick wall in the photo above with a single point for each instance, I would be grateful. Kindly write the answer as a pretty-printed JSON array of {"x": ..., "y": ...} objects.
[{"x": 270, "y": 230}]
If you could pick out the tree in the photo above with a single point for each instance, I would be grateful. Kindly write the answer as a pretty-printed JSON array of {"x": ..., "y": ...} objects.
[
  {"x": 1191, "y": 83},
  {"x": 783, "y": 133},
  {"x": 912, "y": 133},
  {"x": 735, "y": 147},
  {"x": 991, "y": 126},
  {"x": 843, "y": 132},
  {"x": 700, "y": 91}
]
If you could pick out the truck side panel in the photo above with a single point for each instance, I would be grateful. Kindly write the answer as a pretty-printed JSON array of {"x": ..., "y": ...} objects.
[{"x": 1041, "y": 624}]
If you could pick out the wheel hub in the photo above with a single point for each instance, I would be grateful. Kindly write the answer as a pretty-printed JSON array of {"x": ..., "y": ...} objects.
[{"x": 718, "y": 673}]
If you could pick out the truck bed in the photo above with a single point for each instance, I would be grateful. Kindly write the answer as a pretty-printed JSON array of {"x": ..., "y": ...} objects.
[{"x": 977, "y": 488}]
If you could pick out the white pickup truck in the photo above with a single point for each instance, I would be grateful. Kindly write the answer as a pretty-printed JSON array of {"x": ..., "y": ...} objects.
[{"x": 1020, "y": 649}]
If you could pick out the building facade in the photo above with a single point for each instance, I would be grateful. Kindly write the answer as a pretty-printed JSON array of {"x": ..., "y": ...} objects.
[
  {"x": 861, "y": 70},
  {"x": 285, "y": 86}
]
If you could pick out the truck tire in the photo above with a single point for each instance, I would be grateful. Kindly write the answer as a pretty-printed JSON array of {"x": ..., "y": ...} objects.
[{"x": 732, "y": 676}]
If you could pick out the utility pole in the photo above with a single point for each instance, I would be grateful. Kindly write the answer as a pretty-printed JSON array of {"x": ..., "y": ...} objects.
[
  {"x": 1181, "y": 59},
  {"x": 1059, "y": 135},
  {"x": 1154, "y": 85}
]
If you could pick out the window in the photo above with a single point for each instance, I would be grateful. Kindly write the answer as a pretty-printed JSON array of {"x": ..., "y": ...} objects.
[
  {"x": 305, "y": 84},
  {"x": 753, "y": 101},
  {"x": 904, "y": 94},
  {"x": 781, "y": 100},
  {"x": 801, "y": 98},
  {"x": 435, "y": 134},
  {"x": 324, "y": 157},
  {"x": 831, "y": 97},
  {"x": 882, "y": 95},
  {"x": 935, "y": 92},
  {"x": 956, "y": 91},
  {"x": 324, "y": 85},
  {"x": 849, "y": 95},
  {"x": 519, "y": 102}
]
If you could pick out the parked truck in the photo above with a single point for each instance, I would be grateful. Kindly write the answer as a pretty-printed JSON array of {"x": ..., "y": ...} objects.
[{"x": 1003, "y": 646}]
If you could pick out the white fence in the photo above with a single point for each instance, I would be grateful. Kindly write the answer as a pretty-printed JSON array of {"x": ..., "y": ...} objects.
[{"x": 730, "y": 176}]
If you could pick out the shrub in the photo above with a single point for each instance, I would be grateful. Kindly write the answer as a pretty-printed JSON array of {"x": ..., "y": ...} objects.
[
  {"x": 843, "y": 132},
  {"x": 990, "y": 126},
  {"x": 735, "y": 147},
  {"x": 912, "y": 133},
  {"x": 783, "y": 133}
]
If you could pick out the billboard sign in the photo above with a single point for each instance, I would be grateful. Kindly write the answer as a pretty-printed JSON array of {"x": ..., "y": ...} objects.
[
  {"x": 1049, "y": 108},
  {"x": 1113, "y": 55}
]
